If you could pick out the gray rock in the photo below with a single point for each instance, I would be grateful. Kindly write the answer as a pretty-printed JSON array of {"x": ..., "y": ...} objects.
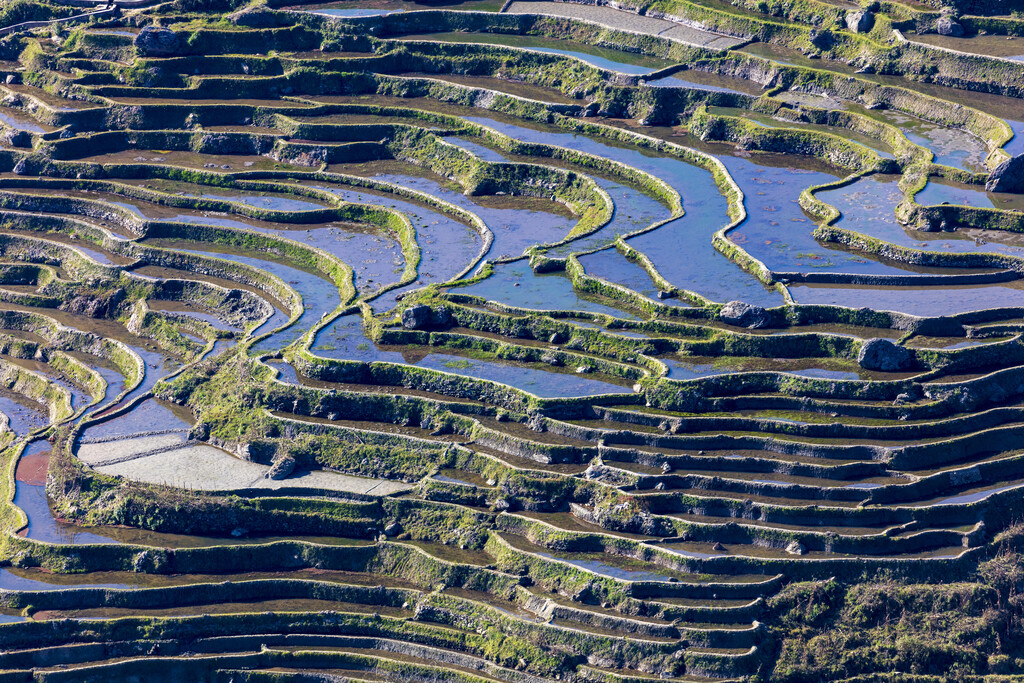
[
  {"x": 393, "y": 529},
  {"x": 20, "y": 168},
  {"x": 883, "y": 355},
  {"x": 948, "y": 26},
  {"x": 281, "y": 468},
  {"x": 141, "y": 561},
  {"x": 1007, "y": 176},
  {"x": 416, "y": 317},
  {"x": 795, "y": 548},
  {"x": 18, "y": 138},
  {"x": 552, "y": 359},
  {"x": 860, "y": 22},
  {"x": 744, "y": 315},
  {"x": 157, "y": 41}
]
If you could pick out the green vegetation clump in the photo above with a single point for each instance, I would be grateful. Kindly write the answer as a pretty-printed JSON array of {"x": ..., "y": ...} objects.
[
  {"x": 940, "y": 631},
  {"x": 20, "y": 11}
]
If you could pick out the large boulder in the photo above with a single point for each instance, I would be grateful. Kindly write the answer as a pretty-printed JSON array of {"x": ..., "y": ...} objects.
[
  {"x": 17, "y": 138},
  {"x": 157, "y": 41},
  {"x": 883, "y": 355},
  {"x": 416, "y": 317},
  {"x": 281, "y": 468},
  {"x": 1007, "y": 176},
  {"x": 948, "y": 26},
  {"x": 744, "y": 315},
  {"x": 860, "y": 22}
]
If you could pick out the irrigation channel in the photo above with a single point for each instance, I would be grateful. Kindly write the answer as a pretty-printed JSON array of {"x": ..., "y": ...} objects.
[{"x": 385, "y": 341}]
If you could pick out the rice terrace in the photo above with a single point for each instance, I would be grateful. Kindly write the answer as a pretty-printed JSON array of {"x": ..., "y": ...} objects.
[{"x": 511, "y": 341}]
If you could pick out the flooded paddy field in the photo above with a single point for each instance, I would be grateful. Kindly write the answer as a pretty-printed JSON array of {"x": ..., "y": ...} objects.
[{"x": 393, "y": 340}]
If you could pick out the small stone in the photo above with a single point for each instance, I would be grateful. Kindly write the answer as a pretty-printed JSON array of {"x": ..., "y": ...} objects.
[
  {"x": 20, "y": 168},
  {"x": 795, "y": 548},
  {"x": 718, "y": 547},
  {"x": 583, "y": 370},
  {"x": 393, "y": 529}
]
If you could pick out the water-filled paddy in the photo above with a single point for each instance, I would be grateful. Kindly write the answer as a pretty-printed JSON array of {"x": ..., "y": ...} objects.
[
  {"x": 546, "y": 383},
  {"x": 868, "y": 206},
  {"x": 515, "y": 284},
  {"x": 612, "y": 266},
  {"x": 922, "y": 301},
  {"x": 938, "y": 191},
  {"x": 320, "y": 295},
  {"x": 447, "y": 246},
  {"x": 515, "y": 229}
]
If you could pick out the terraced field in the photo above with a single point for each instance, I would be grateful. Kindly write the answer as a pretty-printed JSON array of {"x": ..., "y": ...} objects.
[{"x": 377, "y": 341}]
